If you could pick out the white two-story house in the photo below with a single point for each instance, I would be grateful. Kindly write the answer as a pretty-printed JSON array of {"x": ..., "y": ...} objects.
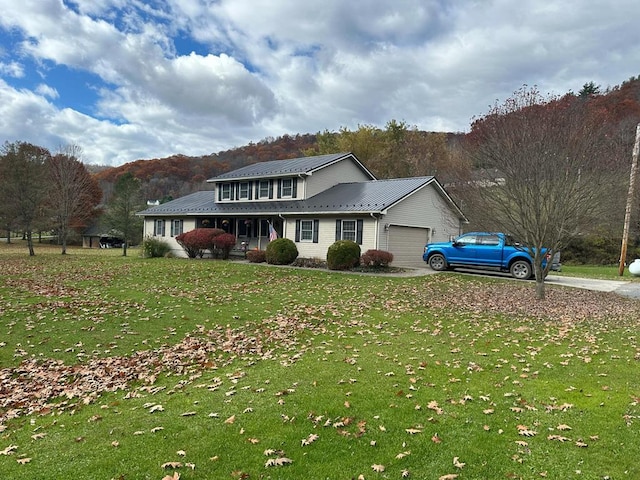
[{"x": 315, "y": 201}]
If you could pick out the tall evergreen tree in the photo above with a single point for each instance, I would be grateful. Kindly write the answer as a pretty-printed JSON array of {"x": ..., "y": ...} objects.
[{"x": 122, "y": 208}]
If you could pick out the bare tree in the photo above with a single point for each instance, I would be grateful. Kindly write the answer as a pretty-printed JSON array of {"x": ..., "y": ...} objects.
[
  {"x": 74, "y": 194},
  {"x": 547, "y": 167},
  {"x": 23, "y": 185}
]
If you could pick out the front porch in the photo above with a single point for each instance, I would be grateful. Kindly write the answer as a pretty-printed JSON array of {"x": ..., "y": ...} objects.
[{"x": 251, "y": 232}]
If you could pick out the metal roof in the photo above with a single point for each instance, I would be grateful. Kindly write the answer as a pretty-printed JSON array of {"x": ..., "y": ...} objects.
[
  {"x": 280, "y": 168},
  {"x": 362, "y": 197}
]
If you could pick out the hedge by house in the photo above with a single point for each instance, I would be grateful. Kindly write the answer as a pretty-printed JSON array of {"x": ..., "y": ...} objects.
[{"x": 343, "y": 255}]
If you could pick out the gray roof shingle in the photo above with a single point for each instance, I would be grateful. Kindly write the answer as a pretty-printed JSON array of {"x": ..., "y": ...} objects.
[
  {"x": 362, "y": 197},
  {"x": 280, "y": 168}
]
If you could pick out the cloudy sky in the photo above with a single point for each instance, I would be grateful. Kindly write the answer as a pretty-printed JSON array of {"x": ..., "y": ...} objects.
[{"x": 137, "y": 79}]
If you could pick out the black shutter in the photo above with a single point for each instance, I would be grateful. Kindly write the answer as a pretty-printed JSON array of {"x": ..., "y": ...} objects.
[
  {"x": 294, "y": 188},
  {"x": 316, "y": 225},
  {"x": 251, "y": 190},
  {"x": 279, "y": 188},
  {"x": 236, "y": 190},
  {"x": 338, "y": 229},
  {"x": 359, "y": 225},
  {"x": 219, "y": 191},
  {"x": 297, "y": 230},
  {"x": 270, "y": 189}
]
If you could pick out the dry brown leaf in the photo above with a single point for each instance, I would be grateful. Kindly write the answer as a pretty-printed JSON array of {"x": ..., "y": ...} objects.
[
  {"x": 449, "y": 476},
  {"x": 9, "y": 450},
  {"x": 24, "y": 460},
  {"x": 171, "y": 465},
  {"x": 457, "y": 463},
  {"x": 230, "y": 420},
  {"x": 378, "y": 468},
  {"x": 175, "y": 476}
]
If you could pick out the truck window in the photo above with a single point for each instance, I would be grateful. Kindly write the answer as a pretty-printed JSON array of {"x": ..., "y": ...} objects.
[
  {"x": 466, "y": 240},
  {"x": 492, "y": 240}
]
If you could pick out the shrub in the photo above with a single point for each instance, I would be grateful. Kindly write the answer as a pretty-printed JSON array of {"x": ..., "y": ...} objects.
[
  {"x": 223, "y": 244},
  {"x": 154, "y": 247},
  {"x": 309, "y": 262},
  {"x": 256, "y": 256},
  {"x": 281, "y": 251},
  {"x": 196, "y": 242},
  {"x": 343, "y": 255},
  {"x": 376, "y": 258}
]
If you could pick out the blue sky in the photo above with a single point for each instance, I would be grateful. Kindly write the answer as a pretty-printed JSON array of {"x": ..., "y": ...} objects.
[{"x": 135, "y": 79}]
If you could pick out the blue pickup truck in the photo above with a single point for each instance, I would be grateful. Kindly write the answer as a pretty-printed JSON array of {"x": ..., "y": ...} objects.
[{"x": 484, "y": 250}]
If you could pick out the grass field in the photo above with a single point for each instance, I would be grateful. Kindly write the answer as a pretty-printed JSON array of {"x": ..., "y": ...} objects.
[{"x": 130, "y": 368}]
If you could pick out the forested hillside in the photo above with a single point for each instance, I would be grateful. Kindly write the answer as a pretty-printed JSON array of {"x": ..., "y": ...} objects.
[{"x": 396, "y": 150}]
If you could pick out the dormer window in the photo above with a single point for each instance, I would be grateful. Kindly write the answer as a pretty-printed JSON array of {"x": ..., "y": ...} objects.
[
  {"x": 286, "y": 188},
  {"x": 264, "y": 190},
  {"x": 225, "y": 191},
  {"x": 244, "y": 191}
]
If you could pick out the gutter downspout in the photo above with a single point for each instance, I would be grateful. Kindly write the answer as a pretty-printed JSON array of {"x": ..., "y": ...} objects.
[
  {"x": 377, "y": 224},
  {"x": 284, "y": 226}
]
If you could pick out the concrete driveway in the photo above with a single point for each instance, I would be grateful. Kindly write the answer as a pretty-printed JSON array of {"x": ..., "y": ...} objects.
[{"x": 625, "y": 288}]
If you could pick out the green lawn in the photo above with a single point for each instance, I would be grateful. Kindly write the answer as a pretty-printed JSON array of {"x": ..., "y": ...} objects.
[{"x": 130, "y": 368}]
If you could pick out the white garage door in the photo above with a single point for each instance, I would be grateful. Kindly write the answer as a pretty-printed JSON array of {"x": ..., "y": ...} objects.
[{"x": 407, "y": 245}]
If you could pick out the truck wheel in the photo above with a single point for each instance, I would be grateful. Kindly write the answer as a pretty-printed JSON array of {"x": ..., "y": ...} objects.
[
  {"x": 521, "y": 269},
  {"x": 437, "y": 262}
]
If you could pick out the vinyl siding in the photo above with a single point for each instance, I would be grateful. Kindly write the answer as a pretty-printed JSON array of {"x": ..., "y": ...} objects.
[
  {"x": 426, "y": 209},
  {"x": 176, "y": 249},
  {"x": 345, "y": 171},
  {"x": 327, "y": 236}
]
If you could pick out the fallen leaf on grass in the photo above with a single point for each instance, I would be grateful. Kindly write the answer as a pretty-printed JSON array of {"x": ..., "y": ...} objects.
[
  {"x": 377, "y": 468},
  {"x": 413, "y": 431},
  {"x": 175, "y": 476},
  {"x": 278, "y": 462},
  {"x": 22, "y": 461},
  {"x": 449, "y": 476},
  {"x": 457, "y": 463},
  {"x": 310, "y": 439},
  {"x": 172, "y": 465}
]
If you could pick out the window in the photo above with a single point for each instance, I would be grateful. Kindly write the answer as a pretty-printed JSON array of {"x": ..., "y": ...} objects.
[
  {"x": 176, "y": 227},
  {"x": 158, "y": 228},
  {"x": 349, "y": 230},
  {"x": 307, "y": 230},
  {"x": 286, "y": 188},
  {"x": 264, "y": 189},
  {"x": 244, "y": 191},
  {"x": 492, "y": 240},
  {"x": 225, "y": 191}
]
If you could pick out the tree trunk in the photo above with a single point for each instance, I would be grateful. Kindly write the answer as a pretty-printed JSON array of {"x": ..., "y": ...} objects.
[
  {"x": 540, "y": 288},
  {"x": 30, "y": 243}
]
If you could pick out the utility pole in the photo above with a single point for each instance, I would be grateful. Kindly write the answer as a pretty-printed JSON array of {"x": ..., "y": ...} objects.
[{"x": 627, "y": 214}]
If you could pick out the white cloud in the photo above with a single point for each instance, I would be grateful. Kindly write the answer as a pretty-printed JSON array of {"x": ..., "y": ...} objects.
[{"x": 264, "y": 68}]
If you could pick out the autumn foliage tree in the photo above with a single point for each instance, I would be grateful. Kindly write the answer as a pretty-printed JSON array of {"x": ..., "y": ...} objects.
[
  {"x": 198, "y": 241},
  {"x": 548, "y": 167},
  {"x": 23, "y": 189}
]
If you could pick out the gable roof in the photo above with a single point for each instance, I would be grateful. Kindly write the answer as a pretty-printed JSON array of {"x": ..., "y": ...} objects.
[
  {"x": 374, "y": 196},
  {"x": 294, "y": 166}
]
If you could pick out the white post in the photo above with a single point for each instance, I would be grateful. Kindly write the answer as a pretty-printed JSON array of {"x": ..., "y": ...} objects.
[{"x": 627, "y": 213}]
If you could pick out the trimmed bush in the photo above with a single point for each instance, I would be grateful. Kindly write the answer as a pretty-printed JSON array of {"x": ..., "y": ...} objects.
[
  {"x": 343, "y": 255},
  {"x": 281, "y": 251},
  {"x": 196, "y": 242},
  {"x": 376, "y": 258},
  {"x": 154, "y": 248},
  {"x": 223, "y": 244},
  {"x": 256, "y": 256}
]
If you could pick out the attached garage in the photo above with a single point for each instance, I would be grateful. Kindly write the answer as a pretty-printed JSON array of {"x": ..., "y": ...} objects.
[{"x": 407, "y": 245}]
